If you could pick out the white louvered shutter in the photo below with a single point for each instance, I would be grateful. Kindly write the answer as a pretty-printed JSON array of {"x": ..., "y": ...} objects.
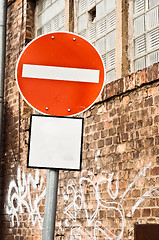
[
  {"x": 139, "y": 6},
  {"x": 153, "y": 39},
  {"x": 90, "y": 4},
  {"x": 51, "y": 16},
  {"x": 140, "y": 63},
  {"x": 110, "y": 21},
  {"x": 110, "y": 60},
  {"x": 81, "y": 6},
  {"x": 152, "y": 3},
  {"x": 140, "y": 45},
  {"x": 82, "y": 22},
  {"x": 110, "y": 5},
  {"x": 153, "y": 58},
  {"x": 96, "y": 21},
  {"x": 152, "y": 18},
  {"x": 101, "y": 45},
  {"x": 100, "y": 10},
  {"x": 91, "y": 33},
  {"x": 146, "y": 33},
  {"x": 139, "y": 25},
  {"x": 101, "y": 27}
]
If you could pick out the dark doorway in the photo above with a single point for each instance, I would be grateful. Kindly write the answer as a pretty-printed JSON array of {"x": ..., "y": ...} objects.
[{"x": 146, "y": 232}]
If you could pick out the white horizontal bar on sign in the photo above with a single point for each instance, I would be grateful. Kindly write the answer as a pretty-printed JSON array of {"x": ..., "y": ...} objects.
[{"x": 60, "y": 73}]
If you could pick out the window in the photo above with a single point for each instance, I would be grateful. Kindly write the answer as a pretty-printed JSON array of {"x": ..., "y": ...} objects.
[
  {"x": 96, "y": 22},
  {"x": 50, "y": 16},
  {"x": 146, "y": 33}
]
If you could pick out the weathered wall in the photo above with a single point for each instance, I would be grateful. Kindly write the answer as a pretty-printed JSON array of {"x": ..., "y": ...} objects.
[
  {"x": 119, "y": 182},
  {"x": 22, "y": 191}
]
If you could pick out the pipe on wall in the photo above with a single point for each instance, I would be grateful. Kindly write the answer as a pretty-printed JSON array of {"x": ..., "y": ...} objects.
[{"x": 3, "y": 7}]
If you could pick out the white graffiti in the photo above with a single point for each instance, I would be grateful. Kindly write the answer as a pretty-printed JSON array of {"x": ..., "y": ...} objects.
[
  {"x": 19, "y": 197},
  {"x": 153, "y": 191},
  {"x": 141, "y": 173},
  {"x": 91, "y": 185}
]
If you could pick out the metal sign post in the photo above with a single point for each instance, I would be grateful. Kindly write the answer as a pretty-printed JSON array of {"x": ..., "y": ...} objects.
[
  {"x": 50, "y": 205},
  {"x": 58, "y": 74}
]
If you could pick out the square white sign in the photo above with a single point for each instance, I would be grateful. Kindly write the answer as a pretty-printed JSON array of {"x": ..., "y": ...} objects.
[{"x": 55, "y": 142}]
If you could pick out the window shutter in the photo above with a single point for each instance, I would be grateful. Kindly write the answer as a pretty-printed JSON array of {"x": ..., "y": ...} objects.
[
  {"x": 61, "y": 4},
  {"x": 110, "y": 76},
  {"x": 40, "y": 31},
  {"x": 140, "y": 63},
  {"x": 81, "y": 6},
  {"x": 153, "y": 39},
  {"x": 140, "y": 45},
  {"x": 104, "y": 59},
  {"x": 55, "y": 24},
  {"x": 55, "y": 8},
  {"x": 110, "y": 21},
  {"x": 152, "y": 58},
  {"x": 101, "y": 27},
  {"x": 110, "y": 60},
  {"x": 152, "y": 3},
  {"x": 90, "y": 4},
  {"x": 146, "y": 33},
  {"x": 83, "y": 34},
  {"x": 139, "y": 26},
  {"x": 61, "y": 19},
  {"x": 82, "y": 22},
  {"x": 152, "y": 18},
  {"x": 100, "y": 10},
  {"x": 47, "y": 3},
  {"x": 100, "y": 44},
  {"x": 91, "y": 33},
  {"x": 110, "y": 41},
  {"x": 47, "y": 15},
  {"x": 139, "y": 6},
  {"x": 110, "y": 5},
  {"x": 51, "y": 16},
  {"x": 47, "y": 27}
]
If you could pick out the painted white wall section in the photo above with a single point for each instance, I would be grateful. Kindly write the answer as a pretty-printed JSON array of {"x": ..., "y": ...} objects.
[{"x": 60, "y": 73}]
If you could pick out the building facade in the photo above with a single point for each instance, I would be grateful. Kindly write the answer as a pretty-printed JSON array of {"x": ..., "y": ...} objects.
[{"x": 116, "y": 195}]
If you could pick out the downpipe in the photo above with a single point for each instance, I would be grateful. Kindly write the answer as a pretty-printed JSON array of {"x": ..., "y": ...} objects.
[{"x": 3, "y": 12}]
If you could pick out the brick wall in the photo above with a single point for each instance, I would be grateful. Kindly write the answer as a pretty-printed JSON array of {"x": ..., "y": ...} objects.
[
  {"x": 119, "y": 182},
  {"x": 22, "y": 191}
]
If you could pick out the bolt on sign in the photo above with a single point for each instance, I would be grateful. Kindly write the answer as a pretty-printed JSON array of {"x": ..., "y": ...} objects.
[{"x": 60, "y": 74}]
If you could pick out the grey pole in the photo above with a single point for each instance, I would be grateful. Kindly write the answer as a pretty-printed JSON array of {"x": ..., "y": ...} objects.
[
  {"x": 50, "y": 205},
  {"x": 2, "y": 57}
]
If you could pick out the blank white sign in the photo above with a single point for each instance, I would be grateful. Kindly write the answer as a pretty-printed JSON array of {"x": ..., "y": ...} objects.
[{"x": 55, "y": 142}]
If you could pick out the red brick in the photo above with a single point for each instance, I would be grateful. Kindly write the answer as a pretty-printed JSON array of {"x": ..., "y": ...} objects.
[
  {"x": 157, "y": 140},
  {"x": 155, "y": 212},
  {"x": 155, "y": 171},
  {"x": 146, "y": 212},
  {"x": 148, "y": 102},
  {"x": 108, "y": 141},
  {"x": 156, "y": 99}
]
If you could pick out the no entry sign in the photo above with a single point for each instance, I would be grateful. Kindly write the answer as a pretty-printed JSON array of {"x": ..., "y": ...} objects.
[{"x": 60, "y": 74}]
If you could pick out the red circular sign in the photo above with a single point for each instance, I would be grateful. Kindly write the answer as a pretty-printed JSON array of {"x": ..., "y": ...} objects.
[{"x": 60, "y": 74}]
